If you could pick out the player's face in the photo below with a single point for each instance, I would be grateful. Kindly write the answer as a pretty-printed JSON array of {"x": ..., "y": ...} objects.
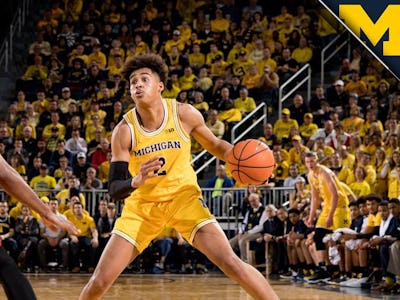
[
  {"x": 144, "y": 83},
  {"x": 311, "y": 163},
  {"x": 372, "y": 206}
]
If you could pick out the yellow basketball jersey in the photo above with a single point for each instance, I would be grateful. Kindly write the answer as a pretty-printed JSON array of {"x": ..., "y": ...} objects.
[
  {"x": 172, "y": 144},
  {"x": 325, "y": 194}
]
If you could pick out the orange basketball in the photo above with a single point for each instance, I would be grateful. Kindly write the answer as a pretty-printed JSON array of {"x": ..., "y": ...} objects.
[{"x": 251, "y": 162}]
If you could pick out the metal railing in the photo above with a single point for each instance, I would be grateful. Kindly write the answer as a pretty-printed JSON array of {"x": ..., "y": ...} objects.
[
  {"x": 223, "y": 211},
  {"x": 18, "y": 21},
  {"x": 333, "y": 49},
  {"x": 255, "y": 122},
  {"x": 282, "y": 98}
]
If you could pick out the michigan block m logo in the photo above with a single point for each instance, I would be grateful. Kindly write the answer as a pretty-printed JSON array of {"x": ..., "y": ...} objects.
[{"x": 357, "y": 19}]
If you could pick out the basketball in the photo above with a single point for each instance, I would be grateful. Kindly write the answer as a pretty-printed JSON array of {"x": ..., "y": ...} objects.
[{"x": 251, "y": 162}]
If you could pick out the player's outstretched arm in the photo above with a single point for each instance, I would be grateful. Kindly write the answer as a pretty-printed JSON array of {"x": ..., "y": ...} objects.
[
  {"x": 14, "y": 185},
  {"x": 194, "y": 124}
]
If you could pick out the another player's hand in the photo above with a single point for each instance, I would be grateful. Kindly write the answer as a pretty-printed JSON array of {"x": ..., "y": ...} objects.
[
  {"x": 52, "y": 221},
  {"x": 148, "y": 169},
  {"x": 329, "y": 221}
]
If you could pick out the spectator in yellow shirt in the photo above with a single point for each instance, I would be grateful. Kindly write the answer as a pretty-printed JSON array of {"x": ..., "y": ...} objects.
[
  {"x": 244, "y": 103},
  {"x": 283, "y": 125},
  {"x": 308, "y": 128},
  {"x": 303, "y": 53}
]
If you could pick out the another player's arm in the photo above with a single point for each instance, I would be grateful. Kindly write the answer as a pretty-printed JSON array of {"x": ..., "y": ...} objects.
[
  {"x": 13, "y": 183},
  {"x": 315, "y": 200},
  {"x": 194, "y": 124},
  {"x": 121, "y": 181}
]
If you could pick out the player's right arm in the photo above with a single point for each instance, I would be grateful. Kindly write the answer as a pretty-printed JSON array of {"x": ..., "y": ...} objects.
[{"x": 121, "y": 181}]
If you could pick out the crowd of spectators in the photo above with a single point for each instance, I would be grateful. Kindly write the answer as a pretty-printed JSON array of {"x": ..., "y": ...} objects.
[{"x": 224, "y": 58}]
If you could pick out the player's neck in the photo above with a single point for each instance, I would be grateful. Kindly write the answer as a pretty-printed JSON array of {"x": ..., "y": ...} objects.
[{"x": 150, "y": 118}]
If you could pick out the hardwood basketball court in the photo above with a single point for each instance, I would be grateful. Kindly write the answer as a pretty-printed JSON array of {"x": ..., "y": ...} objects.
[{"x": 175, "y": 287}]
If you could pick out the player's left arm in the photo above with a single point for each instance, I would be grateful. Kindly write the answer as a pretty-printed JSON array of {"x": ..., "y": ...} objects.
[
  {"x": 333, "y": 189},
  {"x": 193, "y": 123}
]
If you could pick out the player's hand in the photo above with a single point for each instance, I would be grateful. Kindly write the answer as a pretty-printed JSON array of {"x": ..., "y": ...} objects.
[
  {"x": 329, "y": 222},
  {"x": 309, "y": 223},
  {"x": 148, "y": 169},
  {"x": 52, "y": 221}
]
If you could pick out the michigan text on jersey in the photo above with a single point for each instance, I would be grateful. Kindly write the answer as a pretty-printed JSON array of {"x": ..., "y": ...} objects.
[{"x": 158, "y": 147}]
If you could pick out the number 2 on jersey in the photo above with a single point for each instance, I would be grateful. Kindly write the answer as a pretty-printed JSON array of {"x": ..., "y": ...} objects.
[{"x": 163, "y": 172}]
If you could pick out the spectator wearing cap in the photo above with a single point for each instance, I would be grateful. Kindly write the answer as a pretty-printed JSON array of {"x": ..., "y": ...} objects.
[
  {"x": 298, "y": 108},
  {"x": 296, "y": 151},
  {"x": 308, "y": 128},
  {"x": 242, "y": 65},
  {"x": 176, "y": 41},
  {"x": 283, "y": 125},
  {"x": 81, "y": 165},
  {"x": 55, "y": 123},
  {"x": 337, "y": 96},
  {"x": 94, "y": 110},
  {"x": 43, "y": 184}
]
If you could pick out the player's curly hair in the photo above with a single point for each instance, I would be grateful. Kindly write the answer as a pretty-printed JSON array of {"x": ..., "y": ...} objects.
[{"x": 152, "y": 61}]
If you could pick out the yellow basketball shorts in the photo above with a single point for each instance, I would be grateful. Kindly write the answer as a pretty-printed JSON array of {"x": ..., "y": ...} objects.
[
  {"x": 341, "y": 218},
  {"x": 141, "y": 221}
]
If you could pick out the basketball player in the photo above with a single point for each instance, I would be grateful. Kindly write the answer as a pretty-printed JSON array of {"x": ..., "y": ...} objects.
[
  {"x": 16, "y": 286},
  {"x": 327, "y": 191},
  {"x": 152, "y": 143}
]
